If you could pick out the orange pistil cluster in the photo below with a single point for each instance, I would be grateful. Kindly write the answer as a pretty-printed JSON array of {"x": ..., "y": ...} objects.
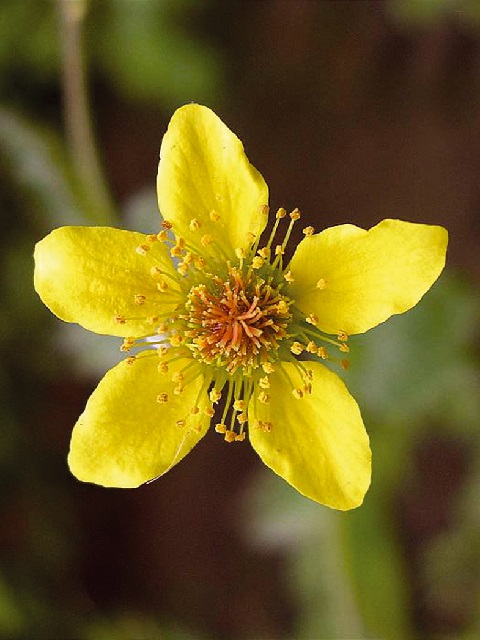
[{"x": 236, "y": 322}]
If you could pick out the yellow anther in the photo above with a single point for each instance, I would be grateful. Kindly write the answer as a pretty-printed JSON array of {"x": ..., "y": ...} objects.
[
  {"x": 220, "y": 427},
  {"x": 178, "y": 390},
  {"x": 162, "y": 327},
  {"x": 322, "y": 353},
  {"x": 264, "y": 382},
  {"x": 178, "y": 376},
  {"x": 311, "y": 347},
  {"x": 120, "y": 319},
  {"x": 188, "y": 257},
  {"x": 206, "y": 240},
  {"x": 264, "y": 426},
  {"x": 282, "y": 307},
  {"x": 199, "y": 262},
  {"x": 240, "y": 253},
  {"x": 209, "y": 411},
  {"x": 264, "y": 252},
  {"x": 308, "y": 388},
  {"x": 240, "y": 437},
  {"x": 180, "y": 423},
  {"x": 309, "y": 374},
  {"x": 214, "y": 216},
  {"x": 152, "y": 319},
  {"x": 176, "y": 251},
  {"x": 142, "y": 249},
  {"x": 321, "y": 284},
  {"x": 250, "y": 237},
  {"x": 176, "y": 340},
  {"x": 127, "y": 344},
  {"x": 230, "y": 436},
  {"x": 297, "y": 393},
  {"x": 344, "y": 347},
  {"x": 312, "y": 319},
  {"x": 195, "y": 224},
  {"x": 268, "y": 367},
  {"x": 152, "y": 237},
  {"x": 288, "y": 276},
  {"x": 194, "y": 410},
  {"x": 242, "y": 418},
  {"x": 296, "y": 348},
  {"x": 162, "y": 236},
  {"x": 162, "y": 286},
  {"x": 130, "y": 360},
  {"x": 182, "y": 269},
  {"x": 281, "y": 213},
  {"x": 215, "y": 395},
  {"x": 239, "y": 405},
  {"x": 162, "y": 368},
  {"x": 342, "y": 336},
  {"x": 265, "y": 209},
  {"x": 308, "y": 231},
  {"x": 258, "y": 262},
  {"x": 166, "y": 225},
  {"x": 155, "y": 272},
  {"x": 162, "y": 350},
  {"x": 139, "y": 299},
  {"x": 295, "y": 214},
  {"x": 263, "y": 397},
  {"x": 162, "y": 398},
  {"x": 279, "y": 250}
]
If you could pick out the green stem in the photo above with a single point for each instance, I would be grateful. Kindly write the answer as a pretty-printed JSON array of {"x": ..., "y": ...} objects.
[{"x": 76, "y": 108}]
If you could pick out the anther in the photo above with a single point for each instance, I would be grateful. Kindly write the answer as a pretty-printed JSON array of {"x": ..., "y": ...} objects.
[
  {"x": 296, "y": 348},
  {"x": 311, "y": 347},
  {"x": 240, "y": 437},
  {"x": 120, "y": 319},
  {"x": 209, "y": 411},
  {"x": 322, "y": 353},
  {"x": 130, "y": 360},
  {"x": 263, "y": 397},
  {"x": 195, "y": 224},
  {"x": 342, "y": 336},
  {"x": 139, "y": 299},
  {"x": 308, "y": 231},
  {"x": 321, "y": 284},
  {"x": 295, "y": 214},
  {"x": 239, "y": 405},
  {"x": 250, "y": 237},
  {"x": 162, "y": 286},
  {"x": 206, "y": 240},
  {"x": 194, "y": 410},
  {"x": 268, "y": 367},
  {"x": 242, "y": 418},
  {"x": 178, "y": 376},
  {"x": 162, "y": 368},
  {"x": 264, "y": 382},
  {"x": 258, "y": 262},
  {"x": 288, "y": 276},
  {"x": 345, "y": 364},
  {"x": 265, "y": 209},
  {"x": 279, "y": 251},
  {"x": 215, "y": 395},
  {"x": 162, "y": 398},
  {"x": 180, "y": 423},
  {"x": 176, "y": 340},
  {"x": 281, "y": 213},
  {"x": 152, "y": 238},
  {"x": 344, "y": 347},
  {"x": 297, "y": 393},
  {"x": 264, "y": 252},
  {"x": 162, "y": 236},
  {"x": 142, "y": 249},
  {"x": 214, "y": 216},
  {"x": 166, "y": 225},
  {"x": 127, "y": 344},
  {"x": 220, "y": 427},
  {"x": 230, "y": 436},
  {"x": 312, "y": 319}
]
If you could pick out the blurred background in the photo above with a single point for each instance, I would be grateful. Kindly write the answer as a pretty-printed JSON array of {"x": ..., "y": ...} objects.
[{"x": 352, "y": 111}]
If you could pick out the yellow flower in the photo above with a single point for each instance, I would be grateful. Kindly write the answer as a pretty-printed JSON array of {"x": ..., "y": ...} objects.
[{"x": 216, "y": 322}]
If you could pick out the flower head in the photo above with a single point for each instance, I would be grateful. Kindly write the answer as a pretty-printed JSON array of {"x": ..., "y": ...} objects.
[{"x": 217, "y": 327}]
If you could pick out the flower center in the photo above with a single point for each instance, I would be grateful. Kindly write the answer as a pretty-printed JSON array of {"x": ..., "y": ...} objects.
[{"x": 236, "y": 321}]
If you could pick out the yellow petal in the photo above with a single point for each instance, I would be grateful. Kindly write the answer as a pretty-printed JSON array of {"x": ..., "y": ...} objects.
[
  {"x": 204, "y": 176},
  {"x": 317, "y": 443},
  {"x": 125, "y": 437},
  {"x": 364, "y": 277},
  {"x": 91, "y": 275}
]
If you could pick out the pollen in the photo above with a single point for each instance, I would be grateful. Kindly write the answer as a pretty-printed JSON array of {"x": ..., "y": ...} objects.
[
  {"x": 162, "y": 398},
  {"x": 308, "y": 231},
  {"x": 296, "y": 348},
  {"x": 220, "y": 427},
  {"x": 258, "y": 262},
  {"x": 215, "y": 395},
  {"x": 295, "y": 214}
]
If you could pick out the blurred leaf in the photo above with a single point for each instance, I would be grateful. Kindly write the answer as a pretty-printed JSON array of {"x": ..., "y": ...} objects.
[{"x": 148, "y": 50}]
